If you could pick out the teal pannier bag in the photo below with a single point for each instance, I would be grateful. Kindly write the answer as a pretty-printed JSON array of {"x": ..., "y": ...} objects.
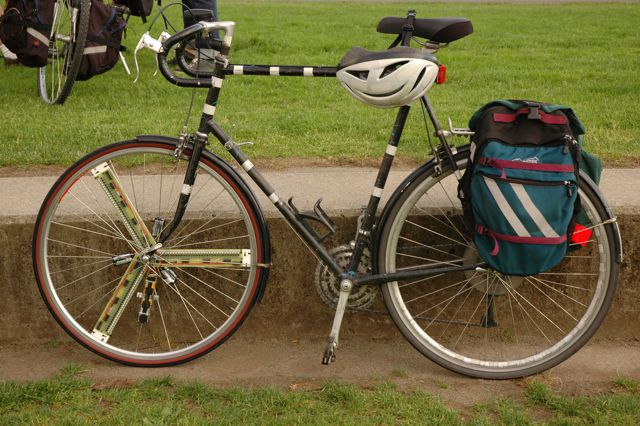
[{"x": 520, "y": 190}]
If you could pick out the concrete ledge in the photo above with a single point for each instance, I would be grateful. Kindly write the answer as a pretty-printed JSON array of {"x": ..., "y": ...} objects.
[{"x": 290, "y": 309}]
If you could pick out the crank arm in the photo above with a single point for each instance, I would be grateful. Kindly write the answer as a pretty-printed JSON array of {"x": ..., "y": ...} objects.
[{"x": 110, "y": 183}]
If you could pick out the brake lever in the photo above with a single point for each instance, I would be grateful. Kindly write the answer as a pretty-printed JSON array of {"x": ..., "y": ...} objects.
[
  {"x": 139, "y": 46},
  {"x": 148, "y": 42}
]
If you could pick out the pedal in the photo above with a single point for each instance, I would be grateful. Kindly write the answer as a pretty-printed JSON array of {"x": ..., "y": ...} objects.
[
  {"x": 329, "y": 352},
  {"x": 148, "y": 296},
  {"x": 317, "y": 215}
]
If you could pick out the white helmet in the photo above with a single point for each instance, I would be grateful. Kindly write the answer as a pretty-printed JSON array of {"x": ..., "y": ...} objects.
[{"x": 387, "y": 79}]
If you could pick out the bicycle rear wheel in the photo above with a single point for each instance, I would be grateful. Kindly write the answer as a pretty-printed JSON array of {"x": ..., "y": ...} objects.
[
  {"x": 66, "y": 45},
  {"x": 108, "y": 288},
  {"x": 479, "y": 322}
]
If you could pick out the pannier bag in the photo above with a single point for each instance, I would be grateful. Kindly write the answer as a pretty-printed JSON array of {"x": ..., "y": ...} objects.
[
  {"x": 25, "y": 28},
  {"x": 141, "y": 8},
  {"x": 102, "y": 49},
  {"x": 520, "y": 190}
]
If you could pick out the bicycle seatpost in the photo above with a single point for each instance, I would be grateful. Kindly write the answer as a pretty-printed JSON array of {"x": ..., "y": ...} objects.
[{"x": 407, "y": 29}]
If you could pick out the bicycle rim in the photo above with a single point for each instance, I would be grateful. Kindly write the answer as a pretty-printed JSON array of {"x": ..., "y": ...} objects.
[
  {"x": 66, "y": 44},
  {"x": 482, "y": 323},
  {"x": 183, "y": 301}
]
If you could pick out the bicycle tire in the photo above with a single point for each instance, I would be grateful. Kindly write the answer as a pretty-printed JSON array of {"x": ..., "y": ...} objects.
[
  {"x": 514, "y": 334},
  {"x": 79, "y": 232},
  {"x": 56, "y": 79}
]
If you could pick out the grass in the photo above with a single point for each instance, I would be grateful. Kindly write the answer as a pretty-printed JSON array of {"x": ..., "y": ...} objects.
[
  {"x": 591, "y": 64},
  {"x": 71, "y": 399}
]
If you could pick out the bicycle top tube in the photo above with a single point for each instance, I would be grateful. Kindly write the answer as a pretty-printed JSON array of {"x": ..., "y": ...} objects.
[{"x": 438, "y": 32}]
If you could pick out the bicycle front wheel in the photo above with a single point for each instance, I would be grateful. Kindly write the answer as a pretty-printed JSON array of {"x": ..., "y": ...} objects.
[
  {"x": 66, "y": 45},
  {"x": 108, "y": 283},
  {"x": 482, "y": 323}
]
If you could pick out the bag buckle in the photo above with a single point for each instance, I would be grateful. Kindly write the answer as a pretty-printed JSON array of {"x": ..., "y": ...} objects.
[{"x": 534, "y": 111}]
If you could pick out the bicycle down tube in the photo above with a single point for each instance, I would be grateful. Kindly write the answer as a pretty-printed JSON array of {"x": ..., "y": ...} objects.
[{"x": 208, "y": 125}]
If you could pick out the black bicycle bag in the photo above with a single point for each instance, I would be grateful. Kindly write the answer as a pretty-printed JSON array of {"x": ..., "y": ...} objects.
[
  {"x": 103, "y": 46},
  {"x": 141, "y": 8},
  {"x": 25, "y": 28},
  {"x": 520, "y": 189}
]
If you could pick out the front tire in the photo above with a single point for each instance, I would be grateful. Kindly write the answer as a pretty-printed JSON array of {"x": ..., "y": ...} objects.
[
  {"x": 482, "y": 323},
  {"x": 194, "y": 292}
]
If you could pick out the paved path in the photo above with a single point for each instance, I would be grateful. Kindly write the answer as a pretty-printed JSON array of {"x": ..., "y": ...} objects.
[
  {"x": 362, "y": 361},
  {"x": 344, "y": 189}
]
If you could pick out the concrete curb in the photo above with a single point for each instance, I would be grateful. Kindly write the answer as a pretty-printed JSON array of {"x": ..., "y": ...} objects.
[{"x": 290, "y": 309}]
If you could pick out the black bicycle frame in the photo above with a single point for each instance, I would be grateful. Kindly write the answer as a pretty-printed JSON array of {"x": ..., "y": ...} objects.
[{"x": 209, "y": 126}]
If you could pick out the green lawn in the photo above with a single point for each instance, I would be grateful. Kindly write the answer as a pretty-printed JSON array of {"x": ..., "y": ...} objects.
[
  {"x": 583, "y": 55},
  {"x": 71, "y": 399}
]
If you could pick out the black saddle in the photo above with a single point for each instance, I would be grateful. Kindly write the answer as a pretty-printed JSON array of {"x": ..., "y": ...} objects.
[{"x": 440, "y": 30}]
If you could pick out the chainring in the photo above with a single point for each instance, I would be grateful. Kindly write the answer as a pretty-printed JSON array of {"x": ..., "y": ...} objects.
[{"x": 328, "y": 285}]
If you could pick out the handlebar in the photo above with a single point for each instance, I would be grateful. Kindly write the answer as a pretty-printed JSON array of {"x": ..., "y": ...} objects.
[{"x": 164, "y": 44}]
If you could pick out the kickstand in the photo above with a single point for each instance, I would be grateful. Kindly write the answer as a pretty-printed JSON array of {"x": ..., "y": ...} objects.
[{"x": 332, "y": 342}]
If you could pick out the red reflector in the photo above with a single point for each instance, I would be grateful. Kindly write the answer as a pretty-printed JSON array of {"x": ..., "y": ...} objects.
[
  {"x": 442, "y": 74},
  {"x": 580, "y": 235}
]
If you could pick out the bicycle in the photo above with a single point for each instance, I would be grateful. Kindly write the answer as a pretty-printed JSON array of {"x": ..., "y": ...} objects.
[
  {"x": 68, "y": 35},
  {"x": 130, "y": 220},
  {"x": 67, "y": 38}
]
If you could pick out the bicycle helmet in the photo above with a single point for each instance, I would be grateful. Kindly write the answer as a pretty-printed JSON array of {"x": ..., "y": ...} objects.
[{"x": 387, "y": 79}]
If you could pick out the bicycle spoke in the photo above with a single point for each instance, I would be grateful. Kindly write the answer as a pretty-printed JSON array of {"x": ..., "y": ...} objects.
[
  {"x": 472, "y": 315},
  {"x": 81, "y": 247},
  {"x": 210, "y": 241},
  {"x": 92, "y": 290},
  {"x": 80, "y": 266},
  {"x": 530, "y": 279},
  {"x": 427, "y": 246},
  {"x": 553, "y": 301},
  {"x": 184, "y": 300},
  {"x": 436, "y": 233},
  {"x": 438, "y": 290},
  {"x": 164, "y": 326},
  {"x": 203, "y": 298},
  {"x": 420, "y": 280},
  {"x": 83, "y": 277}
]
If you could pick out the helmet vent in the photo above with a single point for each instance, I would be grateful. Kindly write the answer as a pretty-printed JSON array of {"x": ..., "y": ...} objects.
[
  {"x": 362, "y": 75},
  {"x": 419, "y": 79},
  {"x": 391, "y": 68}
]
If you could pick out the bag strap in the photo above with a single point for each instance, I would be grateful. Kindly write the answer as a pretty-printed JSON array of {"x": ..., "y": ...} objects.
[
  {"x": 12, "y": 18},
  {"x": 495, "y": 236},
  {"x": 523, "y": 165},
  {"x": 532, "y": 113},
  {"x": 109, "y": 43}
]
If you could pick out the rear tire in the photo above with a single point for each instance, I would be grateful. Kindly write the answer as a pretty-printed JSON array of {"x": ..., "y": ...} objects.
[{"x": 481, "y": 323}]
